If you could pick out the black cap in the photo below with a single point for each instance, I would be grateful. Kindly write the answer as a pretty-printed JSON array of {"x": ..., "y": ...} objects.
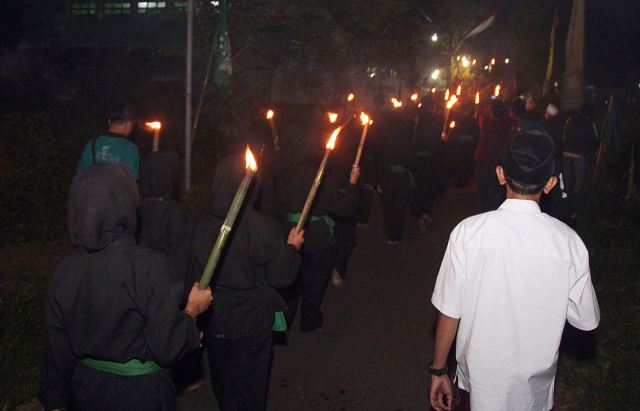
[{"x": 530, "y": 157}]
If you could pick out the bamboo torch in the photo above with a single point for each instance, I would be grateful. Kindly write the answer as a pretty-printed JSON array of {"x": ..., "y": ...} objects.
[
  {"x": 316, "y": 182},
  {"x": 155, "y": 126},
  {"x": 365, "y": 123},
  {"x": 477, "y": 101},
  {"x": 274, "y": 133},
  {"x": 225, "y": 230}
]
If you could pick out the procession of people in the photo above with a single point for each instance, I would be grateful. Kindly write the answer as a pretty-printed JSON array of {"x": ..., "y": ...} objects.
[{"x": 129, "y": 326}]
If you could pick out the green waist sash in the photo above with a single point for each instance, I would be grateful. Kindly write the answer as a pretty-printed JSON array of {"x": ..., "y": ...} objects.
[
  {"x": 424, "y": 154},
  {"x": 294, "y": 217},
  {"x": 400, "y": 169},
  {"x": 130, "y": 368}
]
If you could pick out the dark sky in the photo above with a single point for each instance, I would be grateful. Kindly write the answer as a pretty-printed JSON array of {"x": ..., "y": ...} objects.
[{"x": 612, "y": 43}]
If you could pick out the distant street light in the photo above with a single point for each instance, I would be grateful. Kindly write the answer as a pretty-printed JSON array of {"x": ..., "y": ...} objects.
[{"x": 434, "y": 37}]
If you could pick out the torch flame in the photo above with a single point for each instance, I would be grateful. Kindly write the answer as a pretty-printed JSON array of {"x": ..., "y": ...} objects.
[
  {"x": 364, "y": 118},
  {"x": 497, "y": 91},
  {"x": 154, "y": 125},
  {"x": 433, "y": 90},
  {"x": 270, "y": 114},
  {"x": 351, "y": 97},
  {"x": 477, "y": 97},
  {"x": 414, "y": 97},
  {"x": 332, "y": 140},
  {"x": 250, "y": 162},
  {"x": 396, "y": 103},
  {"x": 493, "y": 61},
  {"x": 453, "y": 100},
  {"x": 452, "y": 124},
  {"x": 459, "y": 89},
  {"x": 446, "y": 95},
  {"x": 332, "y": 117}
]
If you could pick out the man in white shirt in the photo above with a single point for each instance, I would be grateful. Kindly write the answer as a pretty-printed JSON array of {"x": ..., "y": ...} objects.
[{"x": 509, "y": 280}]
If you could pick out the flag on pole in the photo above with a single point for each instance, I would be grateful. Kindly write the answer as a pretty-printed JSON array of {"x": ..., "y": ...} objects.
[
  {"x": 552, "y": 47},
  {"x": 573, "y": 84},
  {"x": 484, "y": 24},
  {"x": 610, "y": 147},
  {"x": 222, "y": 50}
]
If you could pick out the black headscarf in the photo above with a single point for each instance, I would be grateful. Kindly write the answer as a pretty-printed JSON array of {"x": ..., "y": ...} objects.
[
  {"x": 229, "y": 174},
  {"x": 159, "y": 174},
  {"x": 102, "y": 206}
]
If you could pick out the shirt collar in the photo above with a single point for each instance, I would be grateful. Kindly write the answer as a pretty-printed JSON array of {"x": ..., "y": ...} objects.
[{"x": 524, "y": 206}]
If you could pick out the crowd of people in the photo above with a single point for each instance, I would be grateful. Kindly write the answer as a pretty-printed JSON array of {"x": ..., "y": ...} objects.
[{"x": 127, "y": 323}]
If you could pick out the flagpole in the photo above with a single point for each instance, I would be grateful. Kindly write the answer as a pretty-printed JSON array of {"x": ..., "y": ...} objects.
[{"x": 188, "y": 98}]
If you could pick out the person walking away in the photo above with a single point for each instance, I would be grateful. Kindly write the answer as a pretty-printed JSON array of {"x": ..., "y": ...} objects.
[
  {"x": 113, "y": 323},
  {"x": 166, "y": 226},
  {"x": 396, "y": 164},
  {"x": 113, "y": 146},
  {"x": 495, "y": 133},
  {"x": 255, "y": 262},
  {"x": 509, "y": 281},
  {"x": 317, "y": 253}
]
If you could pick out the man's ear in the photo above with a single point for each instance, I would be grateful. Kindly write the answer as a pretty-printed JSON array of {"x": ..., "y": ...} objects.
[
  {"x": 553, "y": 180},
  {"x": 500, "y": 173}
]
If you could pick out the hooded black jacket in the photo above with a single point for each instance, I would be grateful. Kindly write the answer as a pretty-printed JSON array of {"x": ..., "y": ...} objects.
[
  {"x": 255, "y": 259},
  {"x": 111, "y": 300}
]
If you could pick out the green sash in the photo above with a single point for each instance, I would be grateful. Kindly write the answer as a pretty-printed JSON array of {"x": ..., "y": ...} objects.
[
  {"x": 424, "y": 154},
  {"x": 294, "y": 217},
  {"x": 130, "y": 368},
  {"x": 400, "y": 169}
]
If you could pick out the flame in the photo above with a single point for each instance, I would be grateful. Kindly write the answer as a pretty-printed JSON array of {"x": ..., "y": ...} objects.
[
  {"x": 154, "y": 125},
  {"x": 414, "y": 97},
  {"x": 332, "y": 117},
  {"x": 250, "y": 161},
  {"x": 446, "y": 95},
  {"x": 459, "y": 90},
  {"x": 497, "y": 91},
  {"x": 433, "y": 90},
  {"x": 452, "y": 124},
  {"x": 396, "y": 103},
  {"x": 453, "y": 100},
  {"x": 477, "y": 97},
  {"x": 370, "y": 122},
  {"x": 270, "y": 114},
  {"x": 419, "y": 105},
  {"x": 493, "y": 61},
  {"x": 351, "y": 97},
  {"x": 364, "y": 118},
  {"x": 332, "y": 140},
  {"x": 473, "y": 63}
]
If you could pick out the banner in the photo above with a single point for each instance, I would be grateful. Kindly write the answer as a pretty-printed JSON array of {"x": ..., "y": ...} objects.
[{"x": 573, "y": 80}]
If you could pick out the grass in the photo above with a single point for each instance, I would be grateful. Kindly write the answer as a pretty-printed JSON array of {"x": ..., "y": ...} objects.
[{"x": 610, "y": 379}]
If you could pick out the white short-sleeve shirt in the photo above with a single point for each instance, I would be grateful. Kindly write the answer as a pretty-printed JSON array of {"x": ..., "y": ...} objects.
[{"x": 513, "y": 276}]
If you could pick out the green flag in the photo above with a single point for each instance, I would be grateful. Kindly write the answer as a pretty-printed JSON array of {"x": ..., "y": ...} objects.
[{"x": 222, "y": 49}]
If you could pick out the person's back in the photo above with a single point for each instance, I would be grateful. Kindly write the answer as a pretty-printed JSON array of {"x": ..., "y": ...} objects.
[
  {"x": 163, "y": 223},
  {"x": 112, "y": 313},
  {"x": 508, "y": 282},
  {"x": 113, "y": 146}
]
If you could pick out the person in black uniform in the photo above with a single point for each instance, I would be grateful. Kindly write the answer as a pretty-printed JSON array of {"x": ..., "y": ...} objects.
[
  {"x": 256, "y": 260},
  {"x": 166, "y": 226},
  {"x": 317, "y": 253},
  {"x": 396, "y": 162},
  {"x": 113, "y": 323}
]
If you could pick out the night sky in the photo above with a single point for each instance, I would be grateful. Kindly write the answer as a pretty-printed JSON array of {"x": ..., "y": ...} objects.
[{"x": 613, "y": 38}]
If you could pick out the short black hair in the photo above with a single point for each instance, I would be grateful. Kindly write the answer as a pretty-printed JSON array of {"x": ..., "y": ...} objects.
[
  {"x": 524, "y": 189},
  {"x": 121, "y": 113}
]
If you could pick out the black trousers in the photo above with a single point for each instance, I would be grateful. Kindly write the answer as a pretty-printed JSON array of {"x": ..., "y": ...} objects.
[
  {"x": 427, "y": 188},
  {"x": 395, "y": 201},
  {"x": 240, "y": 370},
  {"x": 95, "y": 390},
  {"x": 310, "y": 287},
  {"x": 345, "y": 241},
  {"x": 364, "y": 206}
]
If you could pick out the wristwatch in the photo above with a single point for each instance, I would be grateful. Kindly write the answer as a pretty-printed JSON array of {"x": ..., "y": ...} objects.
[{"x": 438, "y": 372}]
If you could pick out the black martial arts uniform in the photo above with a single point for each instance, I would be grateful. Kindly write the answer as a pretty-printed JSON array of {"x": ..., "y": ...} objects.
[
  {"x": 166, "y": 226},
  {"x": 113, "y": 321},
  {"x": 317, "y": 255},
  {"x": 163, "y": 223},
  {"x": 255, "y": 260},
  {"x": 428, "y": 152},
  {"x": 396, "y": 162}
]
